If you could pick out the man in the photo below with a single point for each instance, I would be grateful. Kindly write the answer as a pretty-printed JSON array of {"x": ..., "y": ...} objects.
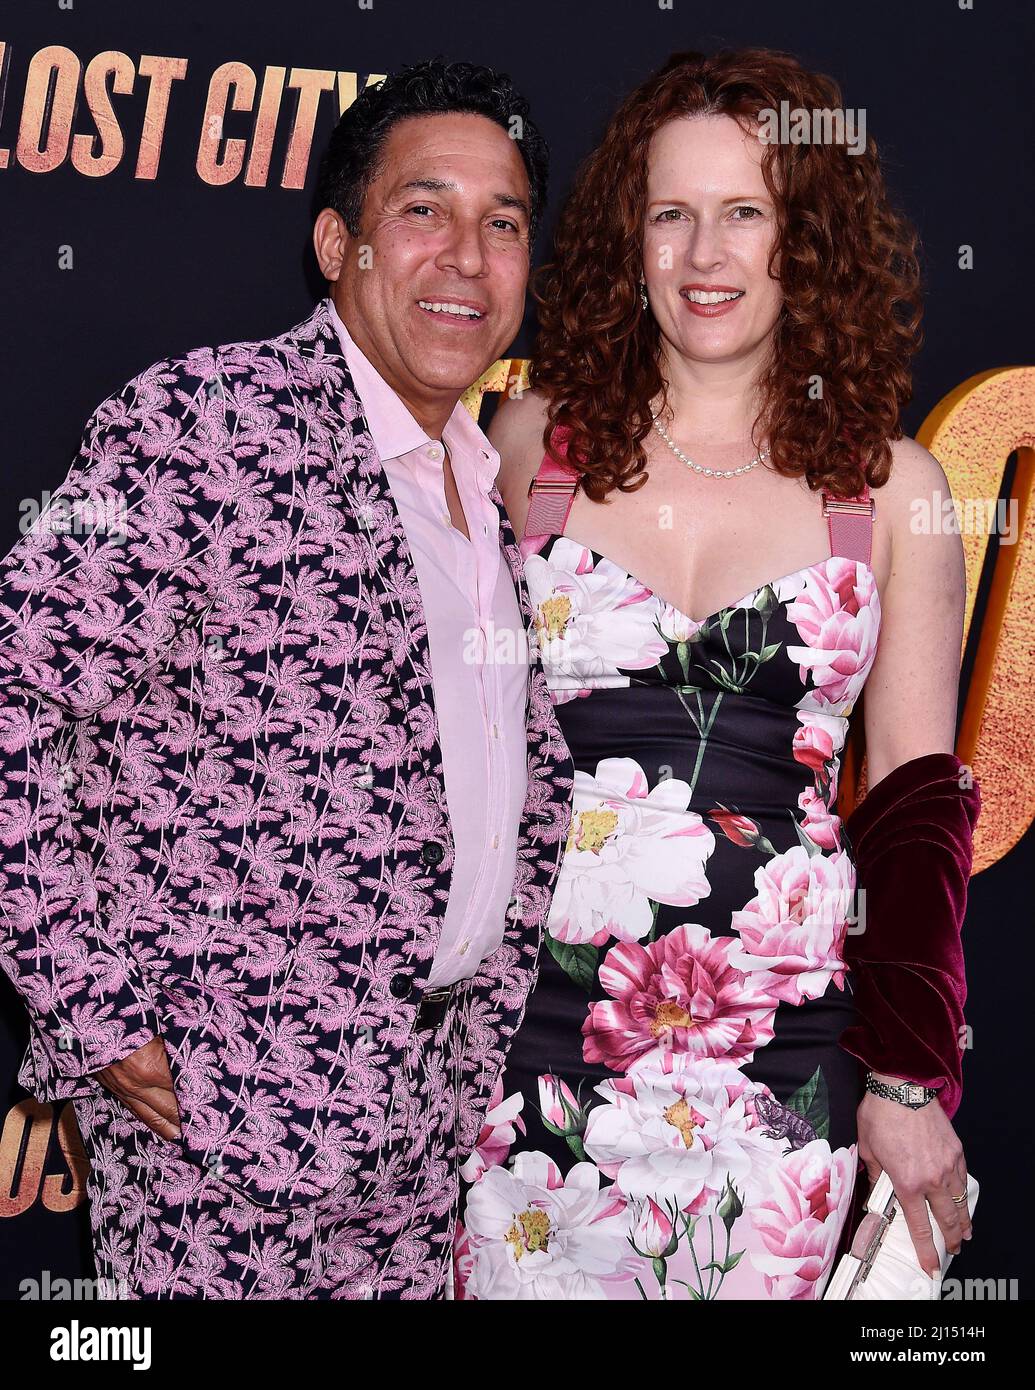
[{"x": 280, "y": 829}]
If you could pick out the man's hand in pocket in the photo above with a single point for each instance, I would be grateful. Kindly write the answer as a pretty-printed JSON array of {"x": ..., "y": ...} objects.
[{"x": 143, "y": 1083}]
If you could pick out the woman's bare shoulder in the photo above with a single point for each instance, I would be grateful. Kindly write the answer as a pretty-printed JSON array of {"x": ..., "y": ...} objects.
[
  {"x": 917, "y": 482},
  {"x": 912, "y": 465},
  {"x": 926, "y": 545},
  {"x": 516, "y": 433}
]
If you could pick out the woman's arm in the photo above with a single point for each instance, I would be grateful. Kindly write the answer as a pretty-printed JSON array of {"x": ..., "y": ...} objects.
[
  {"x": 909, "y": 710},
  {"x": 516, "y": 433},
  {"x": 909, "y": 707}
]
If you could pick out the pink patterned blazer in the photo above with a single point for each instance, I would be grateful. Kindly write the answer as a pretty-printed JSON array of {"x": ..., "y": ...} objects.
[{"x": 222, "y": 807}]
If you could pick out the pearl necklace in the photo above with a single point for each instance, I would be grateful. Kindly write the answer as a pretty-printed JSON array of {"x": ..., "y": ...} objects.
[{"x": 711, "y": 472}]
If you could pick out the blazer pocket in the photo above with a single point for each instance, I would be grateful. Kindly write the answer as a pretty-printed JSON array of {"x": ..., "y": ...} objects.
[{"x": 320, "y": 1137}]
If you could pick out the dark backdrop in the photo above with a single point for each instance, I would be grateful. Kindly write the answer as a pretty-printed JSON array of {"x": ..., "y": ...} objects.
[{"x": 166, "y": 264}]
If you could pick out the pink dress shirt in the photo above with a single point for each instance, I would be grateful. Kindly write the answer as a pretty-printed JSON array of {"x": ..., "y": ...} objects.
[{"x": 465, "y": 586}]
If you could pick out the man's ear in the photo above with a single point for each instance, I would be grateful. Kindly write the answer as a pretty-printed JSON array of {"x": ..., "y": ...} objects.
[{"x": 331, "y": 242}]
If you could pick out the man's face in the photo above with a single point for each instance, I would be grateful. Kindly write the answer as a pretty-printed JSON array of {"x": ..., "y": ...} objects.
[{"x": 446, "y": 222}]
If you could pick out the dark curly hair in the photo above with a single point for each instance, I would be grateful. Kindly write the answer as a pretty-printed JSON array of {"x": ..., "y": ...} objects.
[
  {"x": 849, "y": 275},
  {"x": 436, "y": 87}
]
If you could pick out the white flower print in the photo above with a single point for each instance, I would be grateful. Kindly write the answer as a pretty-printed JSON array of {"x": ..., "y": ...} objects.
[
  {"x": 533, "y": 1234},
  {"x": 676, "y": 626},
  {"x": 592, "y": 620},
  {"x": 627, "y": 845},
  {"x": 678, "y": 1127}
]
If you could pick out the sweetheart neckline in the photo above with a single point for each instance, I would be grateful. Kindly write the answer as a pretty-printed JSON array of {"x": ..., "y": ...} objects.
[{"x": 736, "y": 603}]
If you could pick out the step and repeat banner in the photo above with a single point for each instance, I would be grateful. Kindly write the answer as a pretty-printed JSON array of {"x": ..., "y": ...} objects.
[{"x": 157, "y": 171}]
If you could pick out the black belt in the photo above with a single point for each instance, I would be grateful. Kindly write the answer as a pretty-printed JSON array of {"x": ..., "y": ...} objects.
[{"x": 433, "y": 1006}]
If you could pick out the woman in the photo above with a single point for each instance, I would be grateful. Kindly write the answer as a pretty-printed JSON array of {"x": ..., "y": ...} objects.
[{"x": 726, "y": 333}]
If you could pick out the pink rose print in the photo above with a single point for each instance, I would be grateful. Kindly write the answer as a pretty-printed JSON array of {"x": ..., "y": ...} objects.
[
  {"x": 838, "y": 617},
  {"x": 502, "y": 1121},
  {"x": 801, "y": 1217},
  {"x": 794, "y": 927},
  {"x": 821, "y": 825},
  {"x": 739, "y": 830},
  {"x": 813, "y": 742},
  {"x": 681, "y": 993}
]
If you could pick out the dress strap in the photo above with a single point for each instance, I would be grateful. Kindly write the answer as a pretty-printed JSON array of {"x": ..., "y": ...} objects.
[
  {"x": 552, "y": 491},
  {"x": 851, "y": 523}
]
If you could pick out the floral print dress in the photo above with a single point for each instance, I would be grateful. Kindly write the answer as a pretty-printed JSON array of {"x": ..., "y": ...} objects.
[{"x": 676, "y": 1119}]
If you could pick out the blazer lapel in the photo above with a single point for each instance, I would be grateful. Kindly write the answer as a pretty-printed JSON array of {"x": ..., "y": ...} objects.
[{"x": 360, "y": 474}]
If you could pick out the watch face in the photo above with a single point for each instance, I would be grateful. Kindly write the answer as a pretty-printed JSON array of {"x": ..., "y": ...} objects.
[{"x": 915, "y": 1095}]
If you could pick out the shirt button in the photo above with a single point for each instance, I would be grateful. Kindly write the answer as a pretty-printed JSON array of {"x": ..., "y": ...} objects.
[
  {"x": 462, "y": 950},
  {"x": 399, "y": 986},
  {"x": 432, "y": 852},
  {"x": 495, "y": 842},
  {"x": 447, "y": 520},
  {"x": 434, "y": 452},
  {"x": 495, "y": 731}
]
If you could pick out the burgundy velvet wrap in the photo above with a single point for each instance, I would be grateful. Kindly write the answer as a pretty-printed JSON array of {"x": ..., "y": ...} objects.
[{"x": 912, "y": 838}]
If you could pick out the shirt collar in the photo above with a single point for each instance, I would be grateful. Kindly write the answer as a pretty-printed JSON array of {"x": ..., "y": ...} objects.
[{"x": 394, "y": 430}]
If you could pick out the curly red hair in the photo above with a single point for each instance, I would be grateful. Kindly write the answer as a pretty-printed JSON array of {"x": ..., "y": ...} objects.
[{"x": 849, "y": 276}]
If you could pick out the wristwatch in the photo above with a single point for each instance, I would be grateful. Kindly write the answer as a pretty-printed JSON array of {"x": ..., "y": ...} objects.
[{"x": 906, "y": 1093}]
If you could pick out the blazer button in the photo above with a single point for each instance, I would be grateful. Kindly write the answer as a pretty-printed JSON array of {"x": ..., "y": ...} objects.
[
  {"x": 400, "y": 986},
  {"x": 432, "y": 852}
]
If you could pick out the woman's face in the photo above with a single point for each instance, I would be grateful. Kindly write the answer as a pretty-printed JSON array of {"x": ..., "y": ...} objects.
[{"x": 709, "y": 228}]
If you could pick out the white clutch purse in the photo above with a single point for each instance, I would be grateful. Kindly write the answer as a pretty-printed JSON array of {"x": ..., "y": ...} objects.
[{"x": 881, "y": 1262}]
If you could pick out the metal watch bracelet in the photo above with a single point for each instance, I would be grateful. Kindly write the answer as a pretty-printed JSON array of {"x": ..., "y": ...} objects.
[{"x": 907, "y": 1093}]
